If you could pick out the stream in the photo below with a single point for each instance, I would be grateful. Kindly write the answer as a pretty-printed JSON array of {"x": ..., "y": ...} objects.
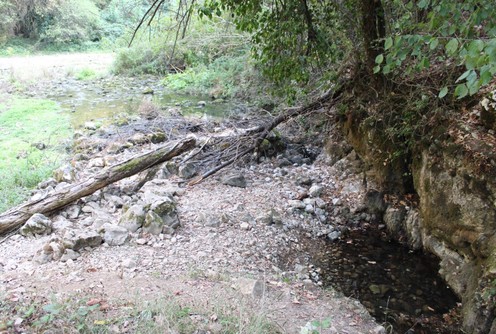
[
  {"x": 107, "y": 99},
  {"x": 401, "y": 288}
]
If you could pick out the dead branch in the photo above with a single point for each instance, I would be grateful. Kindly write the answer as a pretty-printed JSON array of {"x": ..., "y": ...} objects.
[{"x": 252, "y": 138}]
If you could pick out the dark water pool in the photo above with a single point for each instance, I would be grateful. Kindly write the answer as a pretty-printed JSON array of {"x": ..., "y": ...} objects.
[{"x": 399, "y": 287}]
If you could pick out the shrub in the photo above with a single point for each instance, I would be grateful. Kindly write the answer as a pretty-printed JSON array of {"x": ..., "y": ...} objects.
[{"x": 74, "y": 21}]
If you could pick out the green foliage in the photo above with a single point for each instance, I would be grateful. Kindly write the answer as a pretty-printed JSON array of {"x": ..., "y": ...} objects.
[
  {"x": 437, "y": 33},
  {"x": 225, "y": 77},
  {"x": 31, "y": 135},
  {"x": 316, "y": 326},
  {"x": 141, "y": 59},
  {"x": 121, "y": 16},
  {"x": 292, "y": 40},
  {"x": 72, "y": 21},
  {"x": 85, "y": 74},
  {"x": 7, "y": 18},
  {"x": 165, "y": 315}
]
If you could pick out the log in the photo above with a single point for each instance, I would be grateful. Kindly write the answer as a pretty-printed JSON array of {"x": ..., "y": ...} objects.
[
  {"x": 15, "y": 217},
  {"x": 259, "y": 133}
]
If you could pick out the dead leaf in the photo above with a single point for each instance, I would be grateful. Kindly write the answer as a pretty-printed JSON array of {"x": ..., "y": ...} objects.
[
  {"x": 104, "y": 307},
  {"x": 93, "y": 301}
]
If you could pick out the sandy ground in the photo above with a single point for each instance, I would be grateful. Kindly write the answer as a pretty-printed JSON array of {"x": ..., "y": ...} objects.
[{"x": 49, "y": 67}]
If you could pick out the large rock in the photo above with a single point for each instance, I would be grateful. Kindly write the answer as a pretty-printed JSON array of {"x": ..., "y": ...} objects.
[
  {"x": 166, "y": 210},
  {"x": 251, "y": 287},
  {"x": 236, "y": 180},
  {"x": 64, "y": 174},
  {"x": 133, "y": 218},
  {"x": 114, "y": 235},
  {"x": 38, "y": 224},
  {"x": 79, "y": 239}
]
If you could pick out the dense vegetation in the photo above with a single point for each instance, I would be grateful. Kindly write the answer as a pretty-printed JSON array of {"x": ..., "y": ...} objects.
[{"x": 67, "y": 24}]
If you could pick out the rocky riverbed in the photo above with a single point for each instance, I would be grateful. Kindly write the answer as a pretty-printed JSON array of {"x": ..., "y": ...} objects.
[
  {"x": 240, "y": 230},
  {"x": 254, "y": 236}
]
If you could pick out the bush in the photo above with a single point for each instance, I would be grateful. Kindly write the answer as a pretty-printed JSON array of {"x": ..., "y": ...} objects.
[{"x": 74, "y": 21}]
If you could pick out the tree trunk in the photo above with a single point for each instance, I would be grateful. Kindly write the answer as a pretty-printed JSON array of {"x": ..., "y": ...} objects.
[
  {"x": 373, "y": 30},
  {"x": 17, "y": 216}
]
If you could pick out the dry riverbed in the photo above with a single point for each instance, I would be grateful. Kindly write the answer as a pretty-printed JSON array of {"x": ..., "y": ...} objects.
[{"x": 238, "y": 262}]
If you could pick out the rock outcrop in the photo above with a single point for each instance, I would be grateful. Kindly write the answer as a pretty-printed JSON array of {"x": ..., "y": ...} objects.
[{"x": 455, "y": 180}]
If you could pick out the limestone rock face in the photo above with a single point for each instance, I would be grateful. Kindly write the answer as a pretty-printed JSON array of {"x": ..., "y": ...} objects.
[
  {"x": 458, "y": 211},
  {"x": 455, "y": 180}
]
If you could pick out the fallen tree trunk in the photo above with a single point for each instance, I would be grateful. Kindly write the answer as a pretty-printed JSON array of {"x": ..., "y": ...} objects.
[
  {"x": 255, "y": 136},
  {"x": 17, "y": 216}
]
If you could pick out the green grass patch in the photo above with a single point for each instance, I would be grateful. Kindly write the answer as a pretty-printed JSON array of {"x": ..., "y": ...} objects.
[
  {"x": 85, "y": 74},
  {"x": 32, "y": 135},
  {"x": 80, "y": 314}
]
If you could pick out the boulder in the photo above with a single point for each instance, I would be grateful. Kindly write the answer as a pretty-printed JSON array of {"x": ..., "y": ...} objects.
[
  {"x": 79, "y": 239},
  {"x": 64, "y": 174},
  {"x": 38, "y": 224},
  {"x": 251, "y": 287},
  {"x": 114, "y": 235},
  {"x": 133, "y": 218},
  {"x": 235, "y": 180}
]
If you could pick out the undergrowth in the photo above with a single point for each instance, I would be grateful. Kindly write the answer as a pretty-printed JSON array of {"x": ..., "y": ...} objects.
[{"x": 32, "y": 135}]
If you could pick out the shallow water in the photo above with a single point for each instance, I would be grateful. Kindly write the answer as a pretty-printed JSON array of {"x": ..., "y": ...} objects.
[
  {"x": 102, "y": 102},
  {"x": 399, "y": 287}
]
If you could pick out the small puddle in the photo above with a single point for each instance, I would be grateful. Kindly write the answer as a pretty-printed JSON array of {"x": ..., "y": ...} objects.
[{"x": 399, "y": 287}]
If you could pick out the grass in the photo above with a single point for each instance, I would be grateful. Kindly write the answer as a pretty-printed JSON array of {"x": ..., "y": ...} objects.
[
  {"x": 32, "y": 132},
  {"x": 17, "y": 46},
  {"x": 85, "y": 74},
  {"x": 168, "y": 314}
]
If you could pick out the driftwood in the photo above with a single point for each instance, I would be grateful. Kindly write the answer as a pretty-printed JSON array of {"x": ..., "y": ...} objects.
[
  {"x": 15, "y": 217},
  {"x": 254, "y": 137}
]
